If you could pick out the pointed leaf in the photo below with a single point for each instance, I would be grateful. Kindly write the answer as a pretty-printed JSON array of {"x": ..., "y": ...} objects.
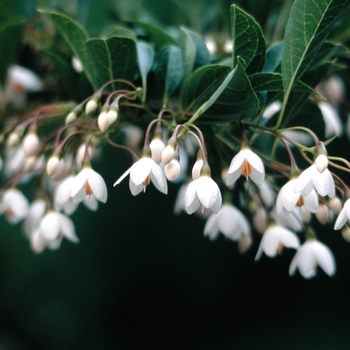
[
  {"x": 145, "y": 58},
  {"x": 309, "y": 23},
  {"x": 169, "y": 70},
  {"x": 76, "y": 38},
  {"x": 195, "y": 52},
  {"x": 114, "y": 58},
  {"x": 248, "y": 40}
]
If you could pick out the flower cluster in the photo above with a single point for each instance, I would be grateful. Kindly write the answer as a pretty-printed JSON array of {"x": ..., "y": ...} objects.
[{"x": 248, "y": 173}]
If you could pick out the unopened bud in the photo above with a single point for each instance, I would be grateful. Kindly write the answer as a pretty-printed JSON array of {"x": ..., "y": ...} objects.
[
  {"x": 197, "y": 168},
  {"x": 30, "y": 163},
  {"x": 31, "y": 144},
  {"x": 92, "y": 104},
  {"x": 157, "y": 146},
  {"x": 306, "y": 215},
  {"x": 102, "y": 121},
  {"x": 13, "y": 139},
  {"x": 172, "y": 170},
  {"x": 345, "y": 231},
  {"x": 322, "y": 214},
  {"x": 54, "y": 165},
  {"x": 168, "y": 152},
  {"x": 112, "y": 115},
  {"x": 335, "y": 205},
  {"x": 244, "y": 243},
  {"x": 321, "y": 163},
  {"x": 71, "y": 118},
  {"x": 260, "y": 220}
]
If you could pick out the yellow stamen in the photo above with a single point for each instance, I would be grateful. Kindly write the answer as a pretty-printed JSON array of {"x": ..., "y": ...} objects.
[
  {"x": 300, "y": 201},
  {"x": 87, "y": 188},
  {"x": 247, "y": 169},
  {"x": 147, "y": 180}
]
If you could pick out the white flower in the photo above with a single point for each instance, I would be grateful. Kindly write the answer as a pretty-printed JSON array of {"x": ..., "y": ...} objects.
[
  {"x": 229, "y": 221},
  {"x": 142, "y": 173},
  {"x": 157, "y": 146},
  {"x": 331, "y": 119},
  {"x": 246, "y": 163},
  {"x": 343, "y": 216},
  {"x": 293, "y": 220},
  {"x": 62, "y": 198},
  {"x": 54, "y": 225},
  {"x": 323, "y": 182},
  {"x": 14, "y": 205},
  {"x": 31, "y": 143},
  {"x": 288, "y": 199},
  {"x": 274, "y": 239},
  {"x": 88, "y": 183},
  {"x": 36, "y": 212},
  {"x": 311, "y": 254},
  {"x": 203, "y": 193}
]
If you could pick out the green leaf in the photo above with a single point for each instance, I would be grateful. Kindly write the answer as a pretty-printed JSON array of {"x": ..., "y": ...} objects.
[
  {"x": 273, "y": 57},
  {"x": 76, "y": 38},
  {"x": 274, "y": 82},
  {"x": 157, "y": 35},
  {"x": 248, "y": 40},
  {"x": 10, "y": 37},
  {"x": 114, "y": 58},
  {"x": 195, "y": 52},
  {"x": 145, "y": 55},
  {"x": 169, "y": 70},
  {"x": 201, "y": 85},
  {"x": 236, "y": 101},
  {"x": 309, "y": 23}
]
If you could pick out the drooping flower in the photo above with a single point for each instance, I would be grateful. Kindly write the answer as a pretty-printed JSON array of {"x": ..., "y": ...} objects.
[
  {"x": 274, "y": 239},
  {"x": 142, "y": 173},
  {"x": 14, "y": 205},
  {"x": 203, "y": 193},
  {"x": 35, "y": 214},
  {"x": 288, "y": 199},
  {"x": 88, "y": 183},
  {"x": 248, "y": 164},
  {"x": 229, "y": 221},
  {"x": 311, "y": 254},
  {"x": 343, "y": 216},
  {"x": 62, "y": 196}
]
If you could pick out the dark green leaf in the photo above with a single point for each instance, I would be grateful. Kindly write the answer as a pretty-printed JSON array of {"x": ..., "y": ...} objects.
[
  {"x": 273, "y": 57},
  {"x": 195, "y": 52},
  {"x": 248, "y": 40},
  {"x": 157, "y": 35},
  {"x": 145, "y": 54},
  {"x": 169, "y": 70},
  {"x": 309, "y": 23},
  {"x": 201, "y": 85},
  {"x": 273, "y": 82},
  {"x": 114, "y": 58},
  {"x": 10, "y": 36},
  {"x": 76, "y": 39}
]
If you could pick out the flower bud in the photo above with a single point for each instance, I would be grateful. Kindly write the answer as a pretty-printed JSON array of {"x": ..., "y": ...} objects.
[
  {"x": 336, "y": 205},
  {"x": 157, "y": 146},
  {"x": 172, "y": 170},
  {"x": 112, "y": 115},
  {"x": 306, "y": 215},
  {"x": 30, "y": 163},
  {"x": 13, "y": 139},
  {"x": 31, "y": 144},
  {"x": 77, "y": 65},
  {"x": 71, "y": 118},
  {"x": 54, "y": 165},
  {"x": 322, "y": 214},
  {"x": 244, "y": 243},
  {"x": 92, "y": 104},
  {"x": 321, "y": 163},
  {"x": 345, "y": 231},
  {"x": 168, "y": 153},
  {"x": 197, "y": 168},
  {"x": 102, "y": 121}
]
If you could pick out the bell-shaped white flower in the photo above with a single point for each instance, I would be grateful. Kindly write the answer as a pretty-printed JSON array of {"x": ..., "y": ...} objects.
[
  {"x": 88, "y": 183},
  {"x": 274, "y": 239},
  {"x": 229, "y": 221},
  {"x": 288, "y": 199},
  {"x": 343, "y": 217},
  {"x": 331, "y": 119},
  {"x": 14, "y": 205},
  {"x": 54, "y": 225},
  {"x": 293, "y": 220},
  {"x": 62, "y": 197},
  {"x": 203, "y": 193},
  {"x": 322, "y": 181},
  {"x": 35, "y": 214},
  {"x": 248, "y": 164},
  {"x": 311, "y": 254},
  {"x": 142, "y": 173}
]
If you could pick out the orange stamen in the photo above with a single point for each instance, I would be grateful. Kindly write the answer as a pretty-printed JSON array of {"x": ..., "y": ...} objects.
[
  {"x": 147, "y": 180},
  {"x": 247, "y": 169},
  {"x": 87, "y": 188},
  {"x": 18, "y": 88},
  {"x": 9, "y": 212},
  {"x": 300, "y": 201}
]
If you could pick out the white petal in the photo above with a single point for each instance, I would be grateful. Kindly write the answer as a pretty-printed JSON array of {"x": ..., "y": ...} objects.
[
  {"x": 311, "y": 201},
  {"x": 191, "y": 200},
  {"x": 324, "y": 257},
  {"x": 91, "y": 202},
  {"x": 211, "y": 227},
  {"x": 135, "y": 190},
  {"x": 67, "y": 228},
  {"x": 140, "y": 170},
  {"x": 158, "y": 179},
  {"x": 79, "y": 181},
  {"x": 257, "y": 177},
  {"x": 98, "y": 186},
  {"x": 122, "y": 177},
  {"x": 305, "y": 178},
  {"x": 255, "y": 161},
  {"x": 50, "y": 226}
]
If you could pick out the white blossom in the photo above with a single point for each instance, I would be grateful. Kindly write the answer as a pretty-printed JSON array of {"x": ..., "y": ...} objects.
[
  {"x": 142, "y": 173},
  {"x": 274, "y": 239},
  {"x": 311, "y": 254},
  {"x": 35, "y": 214},
  {"x": 14, "y": 205},
  {"x": 246, "y": 163},
  {"x": 343, "y": 217}
]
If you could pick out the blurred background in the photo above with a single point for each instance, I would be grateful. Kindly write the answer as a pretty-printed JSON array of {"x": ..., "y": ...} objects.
[{"x": 142, "y": 278}]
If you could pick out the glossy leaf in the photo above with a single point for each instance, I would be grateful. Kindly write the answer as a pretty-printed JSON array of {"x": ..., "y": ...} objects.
[
  {"x": 169, "y": 70},
  {"x": 10, "y": 36},
  {"x": 76, "y": 38},
  {"x": 145, "y": 58},
  {"x": 195, "y": 52},
  {"x": 309, "y": 23},
  {"x": 248, "y": 40},
  {"x": 114, "y": 58},
  {"x": 201, "y": 85}
]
